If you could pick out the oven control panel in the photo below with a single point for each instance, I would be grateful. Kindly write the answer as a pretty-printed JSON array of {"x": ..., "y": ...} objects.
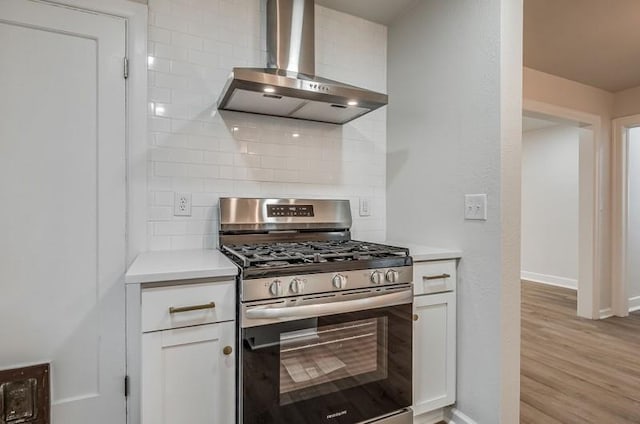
[
  {"x": 300, "y": 285},
  {"x": 287, "y": 211}
]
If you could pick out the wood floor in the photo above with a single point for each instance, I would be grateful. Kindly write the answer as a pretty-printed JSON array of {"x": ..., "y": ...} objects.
[{"x": 576, "y": 370}]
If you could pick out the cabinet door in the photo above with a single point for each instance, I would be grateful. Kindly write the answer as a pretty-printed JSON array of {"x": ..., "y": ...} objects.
[
  {"x": 434, "y": 352},
  {"x": 187, "y": 377}
]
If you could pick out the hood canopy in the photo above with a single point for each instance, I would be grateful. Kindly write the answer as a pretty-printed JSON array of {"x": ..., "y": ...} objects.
[{"x": 288, "y": 86}]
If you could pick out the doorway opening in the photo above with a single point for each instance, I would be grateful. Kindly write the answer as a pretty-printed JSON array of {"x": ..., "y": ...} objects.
[
  {"x": 559, "y": 202},
  {"x": 626, "y": 216}
]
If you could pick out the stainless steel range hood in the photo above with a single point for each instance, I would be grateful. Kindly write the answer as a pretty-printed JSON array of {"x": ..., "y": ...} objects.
[{"x": 288, "y": 86}]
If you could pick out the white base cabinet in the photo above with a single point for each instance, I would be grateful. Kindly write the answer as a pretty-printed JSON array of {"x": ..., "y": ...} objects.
[
  {"x": 188, "y": 375},
  {"x": 181, "y": 352},
  {"x": 434, "y": 348}
]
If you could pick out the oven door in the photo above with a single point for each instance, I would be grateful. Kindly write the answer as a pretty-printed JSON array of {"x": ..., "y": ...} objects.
[{"x": 339, "y": 368}]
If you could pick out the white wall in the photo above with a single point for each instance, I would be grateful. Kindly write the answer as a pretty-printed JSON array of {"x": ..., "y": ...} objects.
[
  {"x": 553, "y": 90},
  {"x": 633, "y": 229},
  {"x": 448, "y": 92},
  {"x": 550, "y": 205},
  {"x": 194, "y": 45}
]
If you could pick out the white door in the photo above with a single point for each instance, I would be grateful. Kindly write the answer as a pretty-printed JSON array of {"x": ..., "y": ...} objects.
[{"x": 62, "y": 220}]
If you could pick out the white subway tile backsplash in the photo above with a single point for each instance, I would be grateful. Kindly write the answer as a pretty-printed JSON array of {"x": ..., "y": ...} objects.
[
  {"x": 171, "y": 81},
  {"x": 170, "y": 52},
  {"x": 218, "y": 47},
  {"x": 203, "y": 171},
  {"x": 227, "y": 172},
  {"x": 187, "y": 242},
  {"x": 186, "y": 40},
  {"x": 218, "y": 158},
  {"x": 193, "y": 45},
  {"x": 219, "y": 186},
  {"x": 161, "y": 95},
  {"x": 160, "y": 35},
  {"x": 163, "y": 198},
  {"x": 160, "y": 213},
  {"x": 203, "y": 58},
  {"x": 159, "y": 243},
  {"x": 159, "y": 124},
  {"x": 172, "y": 22},
  {"x": 167, "y": 139},
  {"x": 168, "y": 169}
]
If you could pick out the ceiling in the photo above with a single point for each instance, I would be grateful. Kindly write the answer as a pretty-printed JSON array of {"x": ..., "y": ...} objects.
[
  {"x": 595, "y": 42},
  {"x": 381, "y": 11}
]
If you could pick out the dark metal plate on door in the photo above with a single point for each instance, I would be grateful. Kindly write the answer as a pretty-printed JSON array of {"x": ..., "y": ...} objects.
[{"x": 24, "y": 395}]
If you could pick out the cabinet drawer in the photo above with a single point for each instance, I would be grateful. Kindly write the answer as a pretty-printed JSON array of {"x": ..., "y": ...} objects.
[
  {"x": 434, "y": 276},
  {"x": 187, "y": 304}
]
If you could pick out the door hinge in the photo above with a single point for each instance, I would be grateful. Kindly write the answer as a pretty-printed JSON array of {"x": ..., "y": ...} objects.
[
  {"x": 126, "y": 386},
  {"x": 126, "y": 68}
]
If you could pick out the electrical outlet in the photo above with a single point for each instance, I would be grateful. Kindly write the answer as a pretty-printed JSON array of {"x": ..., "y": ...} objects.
[
  {"x": 475, "y": 207},
  {"x": 182, "y": 204},
  {"x": 365, "y": 206}
]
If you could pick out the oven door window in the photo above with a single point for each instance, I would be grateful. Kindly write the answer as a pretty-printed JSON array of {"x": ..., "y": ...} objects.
[
  {"x": 329, "y": 358},
  {"x": 340, "y": 369}
]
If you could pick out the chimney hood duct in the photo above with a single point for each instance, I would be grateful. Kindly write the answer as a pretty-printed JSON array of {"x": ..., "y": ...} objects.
[{"x": 288, "y": 86}]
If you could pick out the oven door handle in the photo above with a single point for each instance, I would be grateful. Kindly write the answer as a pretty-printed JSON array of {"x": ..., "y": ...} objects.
[{"x": 319, "y": 309}]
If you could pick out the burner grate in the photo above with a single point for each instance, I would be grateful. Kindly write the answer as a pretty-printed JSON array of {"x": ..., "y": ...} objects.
[{"x": 275, "y": 255}]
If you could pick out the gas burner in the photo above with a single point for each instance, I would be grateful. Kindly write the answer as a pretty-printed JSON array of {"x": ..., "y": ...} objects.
[
  {"x": 311, "y": 254},
  {"x": 273, "y": 264}
]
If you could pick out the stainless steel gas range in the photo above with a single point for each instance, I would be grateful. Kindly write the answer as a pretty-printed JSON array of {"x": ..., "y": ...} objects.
[{"x": 325, "y": 322}]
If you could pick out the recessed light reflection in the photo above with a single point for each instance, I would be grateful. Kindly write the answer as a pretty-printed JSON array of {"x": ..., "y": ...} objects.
[
  {"x": 352, "y": 103},
  {"x": 295, "y": 135},
  {"x": 269, "y": 90},
  {"x": 159, "y": 110},
  {"x": 235, "y": 129},
  {"x": 150, "y": 60}
]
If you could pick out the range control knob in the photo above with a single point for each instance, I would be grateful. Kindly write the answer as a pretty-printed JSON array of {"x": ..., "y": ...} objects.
[
  {"x": 339, "y": 281},
  {"x": 376, "y": 277},
  {"x": 276, "y": 288},
  {"x": 392, "y": 276},
  {"x": 296, "y": 286}
]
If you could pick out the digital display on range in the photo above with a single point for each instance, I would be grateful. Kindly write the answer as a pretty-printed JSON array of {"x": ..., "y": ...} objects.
[{"x": 277, "y": 211}]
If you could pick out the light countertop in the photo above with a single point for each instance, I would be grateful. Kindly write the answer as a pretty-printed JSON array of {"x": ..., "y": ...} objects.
[
  {"x": 209, "y": 263},
  {"x": 179, "y": 265},
  {"x": 426, "y": 253}
]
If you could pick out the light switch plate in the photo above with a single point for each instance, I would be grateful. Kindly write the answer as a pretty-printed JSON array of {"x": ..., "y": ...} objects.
[
  {"x": 475, "y": 207},
  {"x": 365, "y": 206}
]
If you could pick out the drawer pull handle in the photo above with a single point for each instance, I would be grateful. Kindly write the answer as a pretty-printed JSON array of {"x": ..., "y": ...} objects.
[
  {"x": 435, "y": 277},
  {"x": 174, "y": 310},
  {"x": 415, "y": 317},
  {"x": 227, "y": 350}
]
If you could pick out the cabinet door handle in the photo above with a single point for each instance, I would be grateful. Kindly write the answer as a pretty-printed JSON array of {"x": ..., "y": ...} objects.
[
  {"x": 415, "y": 317},
  {"x": 177, "y": 310},
  {"x": 227, "y": 350},
  {"x": 435, "y": 277}
]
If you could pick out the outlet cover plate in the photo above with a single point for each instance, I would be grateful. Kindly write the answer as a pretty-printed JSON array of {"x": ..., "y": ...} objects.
[
  {"x": 475, "y": 207},
  {"x": 182, "y": 204}
]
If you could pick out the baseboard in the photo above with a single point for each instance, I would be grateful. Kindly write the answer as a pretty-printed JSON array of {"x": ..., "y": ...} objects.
[
  {"x": 432, "y": 417},
  {"x": 454, "y": 416},
  {"x": 551, "y": 280},
  {"x": 634, "y": 304},
  {"x": 606, "y": 313}
]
